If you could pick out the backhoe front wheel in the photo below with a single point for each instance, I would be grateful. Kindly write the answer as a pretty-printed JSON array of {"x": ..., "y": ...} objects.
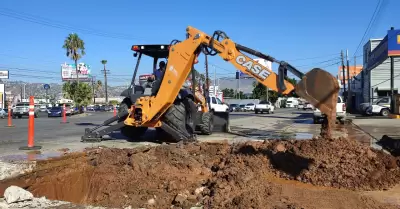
[
  {"x": 129, "y": 131},
  {"x": 180, "y": 117}
]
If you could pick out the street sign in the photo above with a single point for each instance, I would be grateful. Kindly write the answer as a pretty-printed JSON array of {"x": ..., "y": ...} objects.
[{"x": 46, "y": 86}]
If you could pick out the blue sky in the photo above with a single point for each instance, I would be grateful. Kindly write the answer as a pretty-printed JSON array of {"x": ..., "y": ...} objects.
[{"x": 288, "y": 30}]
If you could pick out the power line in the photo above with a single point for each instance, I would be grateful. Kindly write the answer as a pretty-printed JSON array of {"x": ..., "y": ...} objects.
[
  {"x": 309, "y": 58},
  {"x": 377, "y": 7},
  {"x": 56, "y": 24}
]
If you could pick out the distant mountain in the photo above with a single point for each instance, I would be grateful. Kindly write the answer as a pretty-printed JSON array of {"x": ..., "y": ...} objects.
[{"x": 55, "y": 91}]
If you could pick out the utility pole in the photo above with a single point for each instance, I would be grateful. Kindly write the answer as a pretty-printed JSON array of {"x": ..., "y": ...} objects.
[
  {"x": 215, "y": 80},
  {"x": 344, "y": 76},
  {"x": 348, "y": 70},
  {"x": 105, "y": 81},
  {"x": 392, "y": 102},
  {"x": 355, "y": 68},
  {"x": 93, "y": 89}
]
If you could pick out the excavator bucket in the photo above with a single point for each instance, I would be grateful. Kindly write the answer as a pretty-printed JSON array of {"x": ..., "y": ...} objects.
[
  {"x": 221, "y": 122},
  {"x": 321, "y": 89}
]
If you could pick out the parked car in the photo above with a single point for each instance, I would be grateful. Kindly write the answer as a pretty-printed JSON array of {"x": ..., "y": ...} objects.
[
  {"x": 241, "y": 107},
  {"x": 308, "y": 106},
  {"x": 249, "y": 107},
  {"x": 300, "y": 106},
  {"x": 3, "y": 113},
  {"x": 340, "y": 112},
  {"x": 55, "y": 112},
  {"x": 264, "y": 106},
  {"x": 234, "y": 107},
  {"x": 22, "y": 109}
]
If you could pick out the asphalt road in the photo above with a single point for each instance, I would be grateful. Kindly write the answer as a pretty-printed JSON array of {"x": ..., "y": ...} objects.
[{"x": 49, "y": 128}]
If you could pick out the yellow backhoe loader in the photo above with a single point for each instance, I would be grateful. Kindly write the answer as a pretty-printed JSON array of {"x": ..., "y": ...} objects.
[{"x": 182, "y": 112}]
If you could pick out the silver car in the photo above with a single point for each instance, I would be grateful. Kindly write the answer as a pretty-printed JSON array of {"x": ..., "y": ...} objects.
[{"x": 3, "y": 113}]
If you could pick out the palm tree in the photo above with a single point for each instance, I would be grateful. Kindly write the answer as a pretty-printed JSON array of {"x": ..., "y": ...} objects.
[
  {"x": 99, "y": 84},
  {"x": 104, "y": 62},
  {"x": 75, "y": 48}
]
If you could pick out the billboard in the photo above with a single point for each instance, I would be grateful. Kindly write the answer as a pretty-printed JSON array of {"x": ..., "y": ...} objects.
[
  {"x": 4, "y": 74},
  {"x": 68, "y": 72},
  {"x": 389, "y": 46}
]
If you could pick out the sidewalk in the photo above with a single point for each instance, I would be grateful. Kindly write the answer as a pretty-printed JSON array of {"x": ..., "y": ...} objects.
[{"x": 377, "y": 127}]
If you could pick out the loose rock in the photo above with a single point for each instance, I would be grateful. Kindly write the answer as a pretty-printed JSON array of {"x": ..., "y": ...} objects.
[{"x": 15, "y": 194}]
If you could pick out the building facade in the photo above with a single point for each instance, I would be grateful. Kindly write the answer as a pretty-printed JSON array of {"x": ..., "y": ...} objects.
[
  {"x": 353, "y": 70},
  {"x": 374, "y": 83}
]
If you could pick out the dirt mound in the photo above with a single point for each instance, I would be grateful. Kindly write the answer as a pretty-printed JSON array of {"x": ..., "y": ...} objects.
[
  {"x": 340, "y": 163},
  {"x": 213, "y": 175}
]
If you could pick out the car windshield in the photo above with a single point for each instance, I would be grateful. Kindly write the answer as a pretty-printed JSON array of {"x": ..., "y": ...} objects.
[
  {"x": 232, "y": 105},
  {"x": 288, "y": 101},
  {"x": 22, "y": 104},
  {"x": 250, "y": 104},
  {"x": 242, "y": 105},
  {"x": 263, "y": 102}
]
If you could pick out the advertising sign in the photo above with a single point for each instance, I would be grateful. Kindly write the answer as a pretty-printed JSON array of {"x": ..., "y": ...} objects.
[
  {"x": 393, "y": 42},
  {"x": 68, "y": 72},
  {"x": 143, "y": 78},
  {"x": 4, "y": 74}
]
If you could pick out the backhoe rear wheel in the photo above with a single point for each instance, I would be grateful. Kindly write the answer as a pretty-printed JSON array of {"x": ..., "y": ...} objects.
[
  {"x": 129, "y": 131},
  {"x": 180, "y": 116}
]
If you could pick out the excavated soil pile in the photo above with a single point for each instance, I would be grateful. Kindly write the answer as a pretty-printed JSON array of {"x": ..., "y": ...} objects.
[
  {"x": 215, "y": 175},
  {"x": 340, "y": 163}
]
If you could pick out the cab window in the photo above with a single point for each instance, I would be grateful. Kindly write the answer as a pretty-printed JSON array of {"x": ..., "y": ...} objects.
[
  {"x": 219, "y": 101},
  {"x": 214, "y": 101}
]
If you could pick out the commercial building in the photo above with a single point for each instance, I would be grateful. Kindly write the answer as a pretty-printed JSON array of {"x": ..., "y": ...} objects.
[
  {"x": 353, "y": 71},
  {"x": 374, "y": 80}
]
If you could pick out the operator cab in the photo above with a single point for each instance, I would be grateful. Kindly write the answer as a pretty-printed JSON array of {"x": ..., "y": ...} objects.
[{"x": 146, "y": 85}]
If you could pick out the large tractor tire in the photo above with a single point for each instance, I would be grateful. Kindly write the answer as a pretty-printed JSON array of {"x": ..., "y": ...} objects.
[
  {"x": 180, "y": 116},
  {"x": 207, "y": 123},
  {"x": 129, "y": 131}
]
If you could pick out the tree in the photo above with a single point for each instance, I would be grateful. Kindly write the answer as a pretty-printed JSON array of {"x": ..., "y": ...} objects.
[
  {"x": 75, "y": 48},
  {"x": 228, "y": 92},
  {"x": 260, "y": 92},
  {"x": 114, "y": 102},
  {"x": 98, "y": 86},
  {"x": 82, "y": 93}
]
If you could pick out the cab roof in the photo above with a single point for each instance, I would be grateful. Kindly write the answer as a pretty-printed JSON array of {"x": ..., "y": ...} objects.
[{"x": 152, "y": 50}]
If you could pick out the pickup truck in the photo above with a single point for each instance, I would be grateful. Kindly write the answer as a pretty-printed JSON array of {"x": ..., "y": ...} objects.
[
  {"x": 379, "y": 107},
  {"x": 217, "y": 105},
  {"x": 340, "y": 112},
  {"x": 264, "y": 106}
]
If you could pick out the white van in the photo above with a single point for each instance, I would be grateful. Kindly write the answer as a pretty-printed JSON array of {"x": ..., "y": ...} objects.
[{"x": 292, "y": 102}]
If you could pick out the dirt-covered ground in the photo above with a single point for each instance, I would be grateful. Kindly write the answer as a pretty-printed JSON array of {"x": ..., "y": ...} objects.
[{"x": 318, "y": 173}]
